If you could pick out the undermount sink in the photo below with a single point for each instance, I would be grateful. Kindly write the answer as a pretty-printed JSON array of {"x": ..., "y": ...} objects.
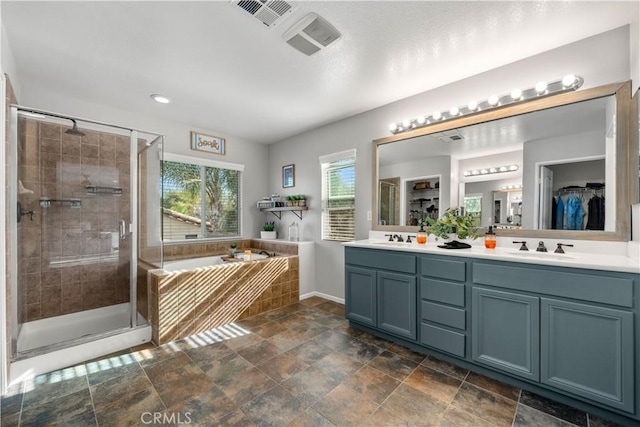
[
  {"x": 397, "y": 244},
  {"x": 542, "y": 255}
]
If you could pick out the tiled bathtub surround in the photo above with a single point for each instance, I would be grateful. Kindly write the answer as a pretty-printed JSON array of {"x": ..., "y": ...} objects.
[
  {"x": 67, "y": 260},
  {"x": 196, "y": 250},
  {"x": 183, "y": 303}
]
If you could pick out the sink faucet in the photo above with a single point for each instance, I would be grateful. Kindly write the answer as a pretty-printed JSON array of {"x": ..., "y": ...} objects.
[
  {"x": 409, "y": 236},
  {"x": 390, "y": 236},
  {"x": 398, "y": 238},
  {"x": 524, "y": 245},
  {"x": 541, "y": 247},
  {"x": 559, "y": 249}
]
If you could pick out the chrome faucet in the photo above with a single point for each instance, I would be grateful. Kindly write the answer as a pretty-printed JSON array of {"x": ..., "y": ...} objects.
[{"x": 541, "y": 247}]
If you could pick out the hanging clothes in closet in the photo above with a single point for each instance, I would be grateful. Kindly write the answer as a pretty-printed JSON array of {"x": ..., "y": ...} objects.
[
  {"x": 574, "y": 212},
  {"x": 595, "y": 220},
  {"x": 559, "y": 216}
]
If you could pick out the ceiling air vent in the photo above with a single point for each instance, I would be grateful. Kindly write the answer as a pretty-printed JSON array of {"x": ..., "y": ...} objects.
[
  {"x": 268, "y": 12},
  {"x": 311, "y": 34},
  {"x": 449, "y": 136}
]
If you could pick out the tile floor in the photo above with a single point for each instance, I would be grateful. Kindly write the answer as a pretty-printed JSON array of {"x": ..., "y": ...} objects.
[{"x": 300, "y": 365}]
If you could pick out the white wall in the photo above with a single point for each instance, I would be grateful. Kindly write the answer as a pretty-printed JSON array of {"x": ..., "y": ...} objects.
[{"x": 599, "y": 60}]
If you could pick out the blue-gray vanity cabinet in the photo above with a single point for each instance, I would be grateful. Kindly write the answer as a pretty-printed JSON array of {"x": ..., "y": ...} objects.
[
  {"x": 381, "y": 290},
  {"x": 588, "y": 350},
  {"x": 443, "y": 317},
  {"x": 360, "y": 295},
  {"x": 505, "y": 331}
]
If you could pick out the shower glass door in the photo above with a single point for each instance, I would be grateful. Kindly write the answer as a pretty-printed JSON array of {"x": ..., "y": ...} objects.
[{"x": 75, "y": 220}]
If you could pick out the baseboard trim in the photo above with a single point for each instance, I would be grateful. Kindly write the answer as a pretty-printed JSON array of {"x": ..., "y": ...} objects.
[{"x": 321, "y": 295}]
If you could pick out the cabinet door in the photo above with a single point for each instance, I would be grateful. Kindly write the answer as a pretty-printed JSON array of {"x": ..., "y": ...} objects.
[
  {"x": 505, "y": 331},
  {"x": 588, "y": 351},
  {"x": 360, "y": 295},
  {"x": 397, "y": 301}
]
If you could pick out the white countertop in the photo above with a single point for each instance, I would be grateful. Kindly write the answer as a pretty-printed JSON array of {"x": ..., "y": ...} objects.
[{"x": 593, "y": 261}]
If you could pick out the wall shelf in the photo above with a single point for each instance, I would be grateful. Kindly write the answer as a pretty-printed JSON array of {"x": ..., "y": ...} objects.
[
  {"x": 297, "y": 210},
  {"x": 73, "y": 203}
]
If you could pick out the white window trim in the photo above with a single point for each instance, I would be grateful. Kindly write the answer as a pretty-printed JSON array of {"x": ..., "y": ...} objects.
[
  {"x": 180, "y": 158},
  {"x": 334, "y": 157},
  {"x": 326, "y": 159}
]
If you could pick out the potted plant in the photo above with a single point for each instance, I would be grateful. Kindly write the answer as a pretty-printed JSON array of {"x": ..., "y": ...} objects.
[
  {"x": 232, "y": 249},
  {"x": 302, "y": 200},
  {"x": 291, "y": 200},
  {"x": 268, "y": 231},
  {"x": 452, "y": 222}
]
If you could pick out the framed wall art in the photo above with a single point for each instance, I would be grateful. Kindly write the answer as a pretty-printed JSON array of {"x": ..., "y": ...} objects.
[
  {"x": 208, "y": 143},
  {"x": 288, "y": 176}
]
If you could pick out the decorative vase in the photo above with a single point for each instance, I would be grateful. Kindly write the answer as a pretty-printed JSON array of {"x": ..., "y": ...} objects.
[{"x": 268, "y": 235}]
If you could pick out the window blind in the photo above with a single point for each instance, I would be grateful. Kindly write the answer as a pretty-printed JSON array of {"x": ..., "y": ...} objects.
[{"x": 338, "y": 196}]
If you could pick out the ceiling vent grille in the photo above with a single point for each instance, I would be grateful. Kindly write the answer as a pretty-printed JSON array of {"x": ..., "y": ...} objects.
[
  {"x": 269, "y": 12},
  {"x": 311, "y": 34},
  {"x": 449, "y": 136}
]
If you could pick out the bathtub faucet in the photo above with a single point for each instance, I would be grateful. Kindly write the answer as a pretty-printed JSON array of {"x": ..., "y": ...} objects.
[{"x": 267, "y": 253}]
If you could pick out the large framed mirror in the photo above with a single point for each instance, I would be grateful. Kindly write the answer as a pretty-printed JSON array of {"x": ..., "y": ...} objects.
[{"x": 555, "y": 167}]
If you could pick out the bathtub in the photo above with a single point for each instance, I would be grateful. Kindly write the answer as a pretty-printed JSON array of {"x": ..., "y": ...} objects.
[{"x": 210, "y": 261}]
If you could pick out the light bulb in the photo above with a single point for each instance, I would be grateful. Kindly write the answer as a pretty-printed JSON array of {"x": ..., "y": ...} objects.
[
  {"x": 473, "y": 105},
  {"x": 475, "y": 172},
  {"x": 493, "y": 170},
  {"x": 493, "y": 100},
  {"x": 513, "y": 167},
  {"x": 436, "y": 115},
  {"x": 466, "y": 173},
  {"x": 516, "y": 94},
  {"x": 484, "y": 171},
  {"x": 503, "y": 168},
  {"x": 422, "y": 120},
  {"x": 454, "y": 111},
  {"x": 568, "y": 80},
  {"x": 541, "y": 87},
  {"x": 406, "y": 123},
  {"x": 160, "y": 98},
  {"x": 393, "y": 127}
]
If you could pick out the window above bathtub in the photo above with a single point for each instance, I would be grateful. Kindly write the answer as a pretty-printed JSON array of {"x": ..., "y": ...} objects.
[{"x": 201, "y": 198}]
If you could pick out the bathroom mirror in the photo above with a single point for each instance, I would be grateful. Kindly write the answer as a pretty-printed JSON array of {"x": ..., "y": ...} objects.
[{"x": 574, "y": 143}]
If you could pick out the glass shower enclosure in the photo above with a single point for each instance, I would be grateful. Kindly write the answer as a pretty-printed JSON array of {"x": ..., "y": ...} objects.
[{"x": 86, "y": 199}]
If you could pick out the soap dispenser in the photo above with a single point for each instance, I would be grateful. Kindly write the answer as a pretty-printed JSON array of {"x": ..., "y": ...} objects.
[
  {"x": 421, "y": 238},
  {"x": 490, "y": 239}
]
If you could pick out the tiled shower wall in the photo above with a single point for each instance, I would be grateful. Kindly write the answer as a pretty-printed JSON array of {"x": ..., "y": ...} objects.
[{"x": 71, "y": 259}]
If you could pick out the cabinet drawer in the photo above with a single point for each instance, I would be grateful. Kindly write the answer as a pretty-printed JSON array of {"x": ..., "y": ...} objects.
[
  {"x": 443, "y": 269},
  {"x": 449, "y": 316},
  {"x": 442, "y": 339},
  {"x": 588, "y": 287},
  {"x": 441, "y": 291},
  {"x": 386, "y": 260}
]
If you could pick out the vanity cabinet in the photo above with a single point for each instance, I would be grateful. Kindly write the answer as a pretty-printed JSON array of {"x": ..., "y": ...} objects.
[
  {"x": 443, "y": 315},
  {"x": 381, "y": 291},
  {"x": 505, "y": 332},
  {"x": 569, "y": 332},
  {"x": 556, "y": 329}
]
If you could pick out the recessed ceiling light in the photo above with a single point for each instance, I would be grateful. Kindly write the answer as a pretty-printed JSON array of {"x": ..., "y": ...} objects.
[{"x": 160, "y": 98}]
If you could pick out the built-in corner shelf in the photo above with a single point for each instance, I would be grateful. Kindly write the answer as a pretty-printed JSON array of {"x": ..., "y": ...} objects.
[
  {"x": 297, "y": 210},
  {"x": 93, "y": 189}
]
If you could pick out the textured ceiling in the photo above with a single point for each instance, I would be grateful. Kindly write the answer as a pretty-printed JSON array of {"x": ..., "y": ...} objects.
[{"x": 227, "y": 72}]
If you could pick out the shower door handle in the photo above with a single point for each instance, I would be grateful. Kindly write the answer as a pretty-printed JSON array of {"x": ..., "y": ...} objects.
[{"x": 123, "y": 228}]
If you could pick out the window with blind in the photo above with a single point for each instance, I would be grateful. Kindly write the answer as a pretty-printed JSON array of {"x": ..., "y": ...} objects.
[
  {"x": 339, "y": 196},
  {"x": 200, "y": 199}
]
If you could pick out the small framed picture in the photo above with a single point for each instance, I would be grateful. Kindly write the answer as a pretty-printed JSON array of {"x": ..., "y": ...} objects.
[
  {"x": 288, "y": 176},
  {"x": 208, "y": 143}
]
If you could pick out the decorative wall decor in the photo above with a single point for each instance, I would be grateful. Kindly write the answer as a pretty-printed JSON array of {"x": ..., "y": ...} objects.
[
  {"x": 208, "y": 143},
  {"x": 288, "y": 176}
]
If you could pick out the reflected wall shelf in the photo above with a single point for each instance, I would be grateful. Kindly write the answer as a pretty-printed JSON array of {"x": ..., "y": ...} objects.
[{"x": 297, "y": 210}]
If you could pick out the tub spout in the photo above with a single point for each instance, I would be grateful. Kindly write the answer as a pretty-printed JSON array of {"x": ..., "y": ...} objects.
[{"x": 267, "y": 253}]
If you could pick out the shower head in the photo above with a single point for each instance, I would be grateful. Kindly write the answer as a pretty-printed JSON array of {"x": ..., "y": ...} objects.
[{"x": 74, "y": 130}]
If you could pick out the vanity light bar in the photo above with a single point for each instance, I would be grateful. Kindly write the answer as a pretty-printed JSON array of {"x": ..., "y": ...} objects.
[
  {"x": 489, "y": 171},
  {"x": 568, "y": 83},
  {"x": 511, "y": 187}
]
